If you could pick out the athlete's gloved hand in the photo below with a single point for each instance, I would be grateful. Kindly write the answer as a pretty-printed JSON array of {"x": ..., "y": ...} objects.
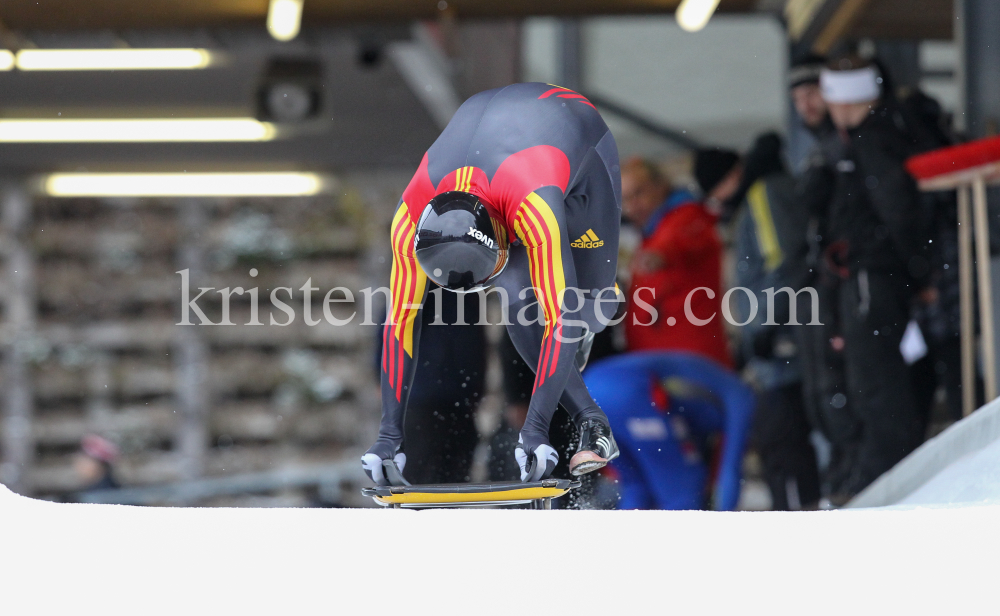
[
  {"x": 372, "y": 461},
  {"x": 536, "y": 461}
]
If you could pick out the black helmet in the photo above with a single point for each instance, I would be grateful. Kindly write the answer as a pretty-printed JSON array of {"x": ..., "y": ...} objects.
[{"x": 458, "y": 244}]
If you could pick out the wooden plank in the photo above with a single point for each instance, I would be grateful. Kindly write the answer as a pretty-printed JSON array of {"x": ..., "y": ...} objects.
[
  {"x": 835, "y": 29},
  {"x": 247, "y": 372},
  {"x": 148, "y": 234},
  {"x": 982, "y": 231},
  {"x": 336, "y": 423},
  {"x": 155, "y": 335},
  {"x": 241, "y": 372},
  {"x": 799, "y": 15},
  {"x": 331, "y": 423},
  {"x": 77, "y": 281},
  {"x": 968, "y": 328},
  {"x": 67, "y": 428},
  {"x": 990, "y": 174},
  {"x": 140, "y": 469}
]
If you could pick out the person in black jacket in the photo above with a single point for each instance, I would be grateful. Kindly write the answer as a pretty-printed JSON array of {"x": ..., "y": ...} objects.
[
  {"x": 821, "y": 347},
  {"x": 770, "y": 249},
  {"x": 877, "y": 243}
]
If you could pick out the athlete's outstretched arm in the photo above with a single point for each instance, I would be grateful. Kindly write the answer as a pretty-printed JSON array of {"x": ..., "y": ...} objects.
[
  {"x": 541, "y": 226},
  {"x": 401, "y": 334}
]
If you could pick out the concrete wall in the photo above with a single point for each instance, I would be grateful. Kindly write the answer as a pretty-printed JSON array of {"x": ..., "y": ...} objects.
[{"x": 722, "y": 85}]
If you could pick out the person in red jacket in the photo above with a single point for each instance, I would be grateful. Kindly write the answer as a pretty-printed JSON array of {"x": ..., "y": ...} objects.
[{"x": 679, "y": 258}]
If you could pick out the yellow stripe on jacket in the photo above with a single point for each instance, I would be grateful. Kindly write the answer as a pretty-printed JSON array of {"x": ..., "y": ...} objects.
[{"x": 767, "y": 234}]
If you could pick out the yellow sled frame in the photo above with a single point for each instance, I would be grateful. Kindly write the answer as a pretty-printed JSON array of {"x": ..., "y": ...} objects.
[{"x": 538, "y": 493}]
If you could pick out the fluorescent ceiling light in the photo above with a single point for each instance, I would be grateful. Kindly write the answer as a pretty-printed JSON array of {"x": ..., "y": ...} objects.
[
  {"x": 693, "y": 15},
  {"x": 111, "y": 59},
  {"x": 272, "y": 184},
  {"x": 194, "y": 129},
  {"x": 284, "y": 17},
  {"x": 6, "y": 60}
]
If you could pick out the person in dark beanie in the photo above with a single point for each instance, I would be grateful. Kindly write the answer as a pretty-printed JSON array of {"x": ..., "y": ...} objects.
[
  {"x": 718, "y": 173},
  {"x": 821, "y": 348},
  {"x": 877, "y": 244},
  {"x": 803, "y": 86}
]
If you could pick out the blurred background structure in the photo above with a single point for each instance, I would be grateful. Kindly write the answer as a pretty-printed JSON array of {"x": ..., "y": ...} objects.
[{"x": 345, "y": 101}]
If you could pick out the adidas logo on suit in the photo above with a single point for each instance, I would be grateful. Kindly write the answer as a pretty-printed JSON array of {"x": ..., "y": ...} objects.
[{"x": 588, "y": 240}]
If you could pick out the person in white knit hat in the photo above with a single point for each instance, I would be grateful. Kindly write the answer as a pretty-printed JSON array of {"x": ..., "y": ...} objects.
[
  {"x": 852, "y": 89},
  {"x": 876, "y": 243}
]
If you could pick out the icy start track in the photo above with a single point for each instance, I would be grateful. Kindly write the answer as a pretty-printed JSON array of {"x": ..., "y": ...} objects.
[{"x": 107, "y": 559}]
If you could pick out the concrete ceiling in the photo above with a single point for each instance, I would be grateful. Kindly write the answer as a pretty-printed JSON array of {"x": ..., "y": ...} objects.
[
  {"x": 343, "y": 136},
  {"x": 370, "y": 116},
  {"x": 127, "y": 14}
]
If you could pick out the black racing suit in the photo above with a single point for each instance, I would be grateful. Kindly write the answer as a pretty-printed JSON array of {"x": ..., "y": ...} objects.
[{"x": 544, "y": 163}]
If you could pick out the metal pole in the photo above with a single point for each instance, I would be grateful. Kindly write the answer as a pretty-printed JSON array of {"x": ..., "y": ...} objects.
[
  {"x": 965, "y": 301},
  {"x": 985, "y": 290},
  {"x": 571, "y": 59},
  {"x": 17, "y": 396},
  {"x": 979, "y": 22},
  {"x": 191, "y": 350}
]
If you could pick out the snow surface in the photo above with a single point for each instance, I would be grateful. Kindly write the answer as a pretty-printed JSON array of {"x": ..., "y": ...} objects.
[
  {"x": 973, "y": 478},
  {"x": 112, "y": 559}
]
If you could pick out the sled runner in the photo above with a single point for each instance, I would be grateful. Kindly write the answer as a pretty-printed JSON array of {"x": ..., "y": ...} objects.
[{"x": 538, "y": 493}]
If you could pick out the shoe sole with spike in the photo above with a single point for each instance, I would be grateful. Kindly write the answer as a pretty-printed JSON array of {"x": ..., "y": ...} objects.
[{"x": 587, "y": 461}]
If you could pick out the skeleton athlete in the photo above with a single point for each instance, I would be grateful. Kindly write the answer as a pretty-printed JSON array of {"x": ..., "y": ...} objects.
[{"x": 522, "y": 190}]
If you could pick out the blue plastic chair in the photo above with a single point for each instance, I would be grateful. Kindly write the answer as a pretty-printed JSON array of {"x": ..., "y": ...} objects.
[{"x": 662, "y": 464}]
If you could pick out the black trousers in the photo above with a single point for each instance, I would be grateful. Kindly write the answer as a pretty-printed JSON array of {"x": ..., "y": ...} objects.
[
  {"x": 824, "y": 382},
  {"x": 781, "y": 437},
  {"x": 941, "y": 366},
  {"x": 874, "y": 310}
]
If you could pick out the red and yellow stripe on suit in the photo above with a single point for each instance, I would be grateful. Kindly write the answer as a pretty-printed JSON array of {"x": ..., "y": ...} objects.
[
  {"x": 407, "y": 285},
  {"x": 463, "y": 179},
  {"x": 538, "y": 229}
]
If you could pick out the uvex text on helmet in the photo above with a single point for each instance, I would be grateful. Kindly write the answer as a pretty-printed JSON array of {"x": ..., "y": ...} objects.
[{"x": 458, "y": 244}]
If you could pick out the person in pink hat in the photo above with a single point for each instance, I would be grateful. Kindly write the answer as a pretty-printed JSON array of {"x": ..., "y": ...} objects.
[{"x": 93, "y": 465}]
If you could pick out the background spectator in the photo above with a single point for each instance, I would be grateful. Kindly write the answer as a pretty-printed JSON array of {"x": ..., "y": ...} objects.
[
  {"x": 807, "y": 98},
  {"x": 770, "y": 248},
  {"x": 682, "y": 423},
  {"x": 877, "y": 237},
  {"x": 93, "y": 465},
  {"x": 821, "y": 348},
  {"x": 680, "y": 252}
]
